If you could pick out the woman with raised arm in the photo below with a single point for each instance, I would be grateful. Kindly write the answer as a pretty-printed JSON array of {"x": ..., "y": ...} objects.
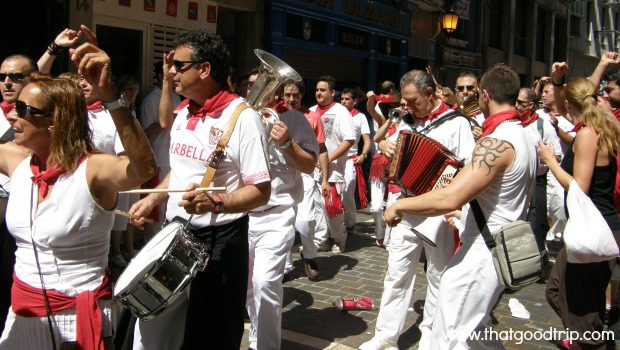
[
  {"x": 63, "y": 206},
  {"x": 577, "y": 291}
]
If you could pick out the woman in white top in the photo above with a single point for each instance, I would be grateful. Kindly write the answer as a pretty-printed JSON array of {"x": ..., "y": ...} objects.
[{"x": 62, "y": 209}]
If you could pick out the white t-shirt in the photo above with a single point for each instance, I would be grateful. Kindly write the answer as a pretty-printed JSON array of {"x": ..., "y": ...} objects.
[
  {"x": 360, "y": 125},
  {"x": 5, "y": 181},
  {"x": 507, "y": 198},
  {"x": 563, "y": 124},
  {"x": 549, "y": 137},
  {"x": 286, "y": 183},
  {"x": 244, "y": 163},
  {"x": 338, "y": 126},
  {"x": 150, "y": 115},
  {"x": 104, "y": 134}
]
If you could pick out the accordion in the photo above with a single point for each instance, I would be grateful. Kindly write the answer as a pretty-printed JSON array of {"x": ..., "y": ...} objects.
[{"x": 420, "y": 163}]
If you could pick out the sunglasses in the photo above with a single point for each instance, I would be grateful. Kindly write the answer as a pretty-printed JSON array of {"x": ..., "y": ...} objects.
[
  {"x": 522, "y": 103},
  {"x": 463, "y": 87},
  {"x": 178, "y": 65},
  {"x": 15, "y": 77},
  {"x": 22, "y": 109}
]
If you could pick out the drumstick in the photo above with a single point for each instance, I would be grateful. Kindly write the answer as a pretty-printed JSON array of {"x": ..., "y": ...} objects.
[
  {"x": 125, "y": 214},
  {"x": 166, "y": 190}
]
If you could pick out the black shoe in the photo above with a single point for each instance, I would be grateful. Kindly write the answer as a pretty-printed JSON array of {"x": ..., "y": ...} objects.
[
  {"x": 311, "y": 267},
  {"x": 612, "y": 315}
]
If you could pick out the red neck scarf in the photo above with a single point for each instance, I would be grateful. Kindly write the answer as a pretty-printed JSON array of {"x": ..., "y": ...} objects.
[
  {"x": 181, "y": 105},
  {"x": 6, "y": 107},
  {"x": 94, "y": 106},
  {"x": 212, "y": 106},
  {"x": 439, "y": 110},
  {"x": 354, "y": 112},
  {"x": 321, "y": 110},
  {"x": 43, "y": 179},
  {"x": 491, "y": 123},
  {"x": 527, "y": 118},
  {"x": 281, "y": 107},
  {"x": 577, "y": 127}
]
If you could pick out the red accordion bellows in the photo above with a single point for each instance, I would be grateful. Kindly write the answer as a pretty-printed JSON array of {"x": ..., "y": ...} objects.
[{"x": 420, "y": 163}]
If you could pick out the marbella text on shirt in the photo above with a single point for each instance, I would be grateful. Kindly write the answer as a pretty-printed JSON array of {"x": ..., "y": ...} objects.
[{"x": 188, "y": 151}]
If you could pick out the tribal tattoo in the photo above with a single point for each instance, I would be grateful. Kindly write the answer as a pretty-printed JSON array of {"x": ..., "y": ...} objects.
[{"x": 487, "y": 151}]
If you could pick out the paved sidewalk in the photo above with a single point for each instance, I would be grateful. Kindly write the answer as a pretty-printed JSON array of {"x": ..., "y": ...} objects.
[{"x": 310, "y": 321}]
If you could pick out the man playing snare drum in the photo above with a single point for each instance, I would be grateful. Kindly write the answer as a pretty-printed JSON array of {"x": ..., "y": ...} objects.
[
  {"x": 405, "y": 247},
  {"x": 212, "y": 316}
]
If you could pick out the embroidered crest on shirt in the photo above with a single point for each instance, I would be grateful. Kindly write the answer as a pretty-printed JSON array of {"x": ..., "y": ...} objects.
[{"x": 215, "y": 135}]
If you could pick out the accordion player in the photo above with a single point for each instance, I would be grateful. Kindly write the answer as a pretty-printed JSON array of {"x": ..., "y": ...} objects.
[{"x": 421, "y": 164}]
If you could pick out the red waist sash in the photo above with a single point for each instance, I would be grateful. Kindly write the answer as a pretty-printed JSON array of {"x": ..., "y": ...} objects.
[{"x": 27, "y": 301}]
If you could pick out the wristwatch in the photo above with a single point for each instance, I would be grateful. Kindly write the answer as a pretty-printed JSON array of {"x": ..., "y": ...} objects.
[
  {"x": 287, "y": 144},
  {"x": 121, "y": 102},
  {"x": 218, "y": 205}
]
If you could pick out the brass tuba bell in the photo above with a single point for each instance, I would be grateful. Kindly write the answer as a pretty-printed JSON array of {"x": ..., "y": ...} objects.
[
  {"x": 272, "y": 73},
  {"x": 470, "y": 106}
]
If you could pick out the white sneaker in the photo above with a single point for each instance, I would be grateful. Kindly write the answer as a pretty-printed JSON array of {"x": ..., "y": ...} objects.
[
  {"x": 376, "y": 344},
  {"x": 337, "y": 250},
  {"x": 118, "y": 261}
]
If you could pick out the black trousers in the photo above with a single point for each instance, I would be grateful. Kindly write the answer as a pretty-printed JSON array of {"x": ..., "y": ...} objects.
[
  {"x": 216, "y": 308},
  {"x": 538, "y": 212},
  {"x": 576, "y": 292}
]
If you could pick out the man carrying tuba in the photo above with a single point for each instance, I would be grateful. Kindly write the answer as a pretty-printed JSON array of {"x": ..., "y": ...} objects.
[{"x": 293, "y": 149}]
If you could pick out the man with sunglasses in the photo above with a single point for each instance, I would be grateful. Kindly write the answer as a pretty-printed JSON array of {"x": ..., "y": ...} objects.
[
  {"x": 538, "y": 129},
  {"x": 211, "y": 312},
  {"x": 466, "y": 88},
  {"x": 14, "y": 73}
]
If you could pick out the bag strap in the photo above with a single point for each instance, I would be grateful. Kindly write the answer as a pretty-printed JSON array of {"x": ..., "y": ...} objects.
[
  {"x": 482, "y": 224},
  {"x": 448, "y": 116},
  {"x": 217, "y": 155}
]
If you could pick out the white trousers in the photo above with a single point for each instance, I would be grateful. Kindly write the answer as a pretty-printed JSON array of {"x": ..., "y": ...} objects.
[
  {"x": 469, "y": 290},
  {"x": 329, "y": 227},
  {"x": 270, "y": 237},
  {"x": 377, "y": 191},
  {"x": 305, "y": 222},
  {"x": 404, "y": 251},
  {"x": 166, "y": 330},
  {"x": 348, "y": 197}
]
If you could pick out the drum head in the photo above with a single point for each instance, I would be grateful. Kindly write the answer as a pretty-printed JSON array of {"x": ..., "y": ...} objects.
[{"x": 148, "y": 256}]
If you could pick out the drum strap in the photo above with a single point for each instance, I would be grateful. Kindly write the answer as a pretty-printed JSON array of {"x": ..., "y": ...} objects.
[{"x": 221, "y": 146}]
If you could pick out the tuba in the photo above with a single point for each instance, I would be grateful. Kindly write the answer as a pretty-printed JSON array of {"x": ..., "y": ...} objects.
[
  {"x": 470, "y": 106},
  {"x": 272, "y": 73}
]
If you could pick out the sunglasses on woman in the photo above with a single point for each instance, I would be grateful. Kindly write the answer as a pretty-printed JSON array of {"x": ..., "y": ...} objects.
[{"x": 22, "y": 109}]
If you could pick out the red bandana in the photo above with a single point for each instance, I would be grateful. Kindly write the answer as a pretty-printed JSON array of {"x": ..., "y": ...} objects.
[
  {"x": 527, "y": 118},
  {"x": 95, "y": 106},
  {"x": 441, "y": 109},
  {"x": 321, "y": 110},
  {"x": 354, "y": 112},
  {"x": 492, "y": 122},
  {"x": 281, "y": 107},
  {"x": 181, "y": 105},
  {"x": 212, "y": 106},
  {"x": 384, "y": 98},
  {"x": 7, "y": 107},
  {"x": 44, "y": 178},
  {"x": 577, "y": 127}
]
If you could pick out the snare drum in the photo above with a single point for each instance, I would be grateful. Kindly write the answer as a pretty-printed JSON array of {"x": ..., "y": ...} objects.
[{"x": 161, "y": 271}]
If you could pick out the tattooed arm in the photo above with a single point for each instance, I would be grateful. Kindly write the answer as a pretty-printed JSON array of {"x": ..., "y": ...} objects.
[{"x": 490, "y": 158}]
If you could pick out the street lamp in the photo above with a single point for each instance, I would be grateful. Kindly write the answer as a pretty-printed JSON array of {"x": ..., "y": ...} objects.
[{"x": 449, "y": 21}]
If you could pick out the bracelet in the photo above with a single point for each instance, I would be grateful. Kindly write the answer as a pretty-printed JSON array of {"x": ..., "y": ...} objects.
[
  {"x": 557, "y": 85},
  {"x": 54, "y": 49}
]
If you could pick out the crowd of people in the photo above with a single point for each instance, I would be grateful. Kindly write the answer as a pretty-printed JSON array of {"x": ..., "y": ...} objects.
[{"x": 287, "y": 169}]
